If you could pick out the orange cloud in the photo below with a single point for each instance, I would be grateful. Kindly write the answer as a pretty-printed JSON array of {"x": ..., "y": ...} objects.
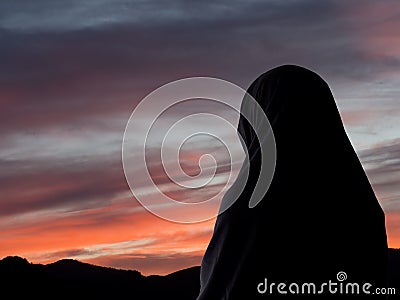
[{"x": 117, "y": 230}]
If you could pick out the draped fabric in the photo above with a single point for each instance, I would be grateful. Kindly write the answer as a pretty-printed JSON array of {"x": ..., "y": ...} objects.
[{"x": 320, "y": 215}]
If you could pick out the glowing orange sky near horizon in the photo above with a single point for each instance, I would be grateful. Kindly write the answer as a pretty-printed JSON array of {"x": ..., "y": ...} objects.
[{"x": 163, "y": 246}]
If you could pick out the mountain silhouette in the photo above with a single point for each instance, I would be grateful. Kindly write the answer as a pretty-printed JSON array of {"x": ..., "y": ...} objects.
[
  {"x": 73, "y": 279},
  {"x": 68, "y": 278}
]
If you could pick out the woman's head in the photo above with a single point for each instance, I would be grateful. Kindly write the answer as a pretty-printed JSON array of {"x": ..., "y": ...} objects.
[{"x": 300, "y": 108}]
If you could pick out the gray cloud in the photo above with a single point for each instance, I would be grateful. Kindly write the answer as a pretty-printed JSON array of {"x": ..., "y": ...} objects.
[
  {"x": 382, "y": 164},
  {"x": 85, "y": 65},
  {"x": 74, "y": 61},
  {"x": 71, "y": 186}
]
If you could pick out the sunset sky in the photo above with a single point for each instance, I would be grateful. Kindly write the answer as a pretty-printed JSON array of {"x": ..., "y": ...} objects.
[{"x": 71, "y": 72}]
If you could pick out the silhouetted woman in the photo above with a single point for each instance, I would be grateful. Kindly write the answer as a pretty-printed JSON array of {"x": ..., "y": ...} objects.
[{"x": 320, "y": 215}]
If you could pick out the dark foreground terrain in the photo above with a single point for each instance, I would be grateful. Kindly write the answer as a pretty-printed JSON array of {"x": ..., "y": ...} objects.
[{"x": 72, "y": 279}]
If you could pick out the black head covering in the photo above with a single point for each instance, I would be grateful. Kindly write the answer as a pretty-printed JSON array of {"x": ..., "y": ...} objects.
[{"x": 320, "y": 215}]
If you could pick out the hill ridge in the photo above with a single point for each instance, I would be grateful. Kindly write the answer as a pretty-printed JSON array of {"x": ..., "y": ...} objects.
[{"x": 74, "y": 278}]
